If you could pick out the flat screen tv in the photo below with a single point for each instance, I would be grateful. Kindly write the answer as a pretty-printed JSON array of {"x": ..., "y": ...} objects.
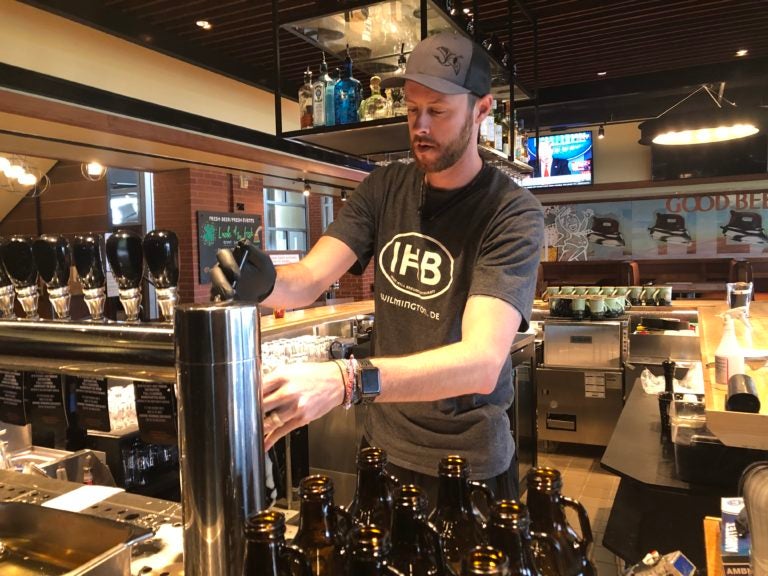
[{"x": 566, "y": 160}]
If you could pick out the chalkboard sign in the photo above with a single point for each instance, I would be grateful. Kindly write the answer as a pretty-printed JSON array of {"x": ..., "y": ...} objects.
[{"x": 217, "y": 230}]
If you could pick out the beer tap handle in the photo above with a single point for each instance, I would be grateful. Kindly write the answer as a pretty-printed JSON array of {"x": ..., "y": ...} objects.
[
  {"x": 669, "y": 375},
  {"x": 124, "y": 252},
  {"x": 89, "y": 261},
  {"x": 161, "y": 253},
  {"x": 53, "y": 260},
  {"x": 5, "y": 280},
  {"x": 19, "y": 262}
]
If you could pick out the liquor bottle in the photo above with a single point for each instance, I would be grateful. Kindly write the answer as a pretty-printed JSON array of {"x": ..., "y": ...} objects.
[
  {"x": 375, "y": 106},
  {"x": 416, "y": 546},
  {"x": 485, "y": 561},
  {"x": 509, "y": 531},
  {"x": 454, "y": 516},
  {"x": 372, "y": 503},
  {"x": 487, "y": 129},
  {"x": 305, "y": 100},
  {"x": 368, "y": 550},
  {"x": 266, "y": 553},
  {"x": 323, "y": 527},
  {"x": 319, "y": 98},
  {"x": 498, "y": 125},
  {"x": 506, "y": 129},
  {"x": 346, "y": 94},
  {"x": 492, "y": 45},
  {"x": 330, "y": 103},
  {"x": 566, "y": 554}
]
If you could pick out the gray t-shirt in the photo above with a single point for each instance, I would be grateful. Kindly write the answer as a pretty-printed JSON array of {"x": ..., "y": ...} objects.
[{"x": 434, "y": 249}]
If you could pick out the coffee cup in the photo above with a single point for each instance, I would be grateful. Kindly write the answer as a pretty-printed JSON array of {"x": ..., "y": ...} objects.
[
  {"x": 614, "y": 306},
  {"x": 621, "y": 291},
  {"x": 664, "y": 296},
  {"x": 607, "y": 290},
  {"x": 551, "y": 291},
  {"x": 578, "y": 307},
  {"x": 739, "y": 294},
  {"x": 593, "y": 290},
  {"x": 580, "y": 290},
  {"x": 596, "y": 305},
  {"x": 648, "y": 295},
  {"x": 566, "y": 289},
  {"x": 634, "y": 294}
]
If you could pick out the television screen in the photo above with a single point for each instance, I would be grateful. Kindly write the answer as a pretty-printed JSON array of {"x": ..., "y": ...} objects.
[{"x": 565, "y": 160}]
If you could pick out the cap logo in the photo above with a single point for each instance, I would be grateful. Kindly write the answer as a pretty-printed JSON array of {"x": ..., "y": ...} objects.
[{"x": 449, "y": 59}]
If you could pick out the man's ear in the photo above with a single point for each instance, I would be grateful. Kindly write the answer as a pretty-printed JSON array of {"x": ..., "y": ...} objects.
[{"x": 483, "y": 107}]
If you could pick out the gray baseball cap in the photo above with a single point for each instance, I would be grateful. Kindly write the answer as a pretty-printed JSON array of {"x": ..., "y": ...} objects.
[{"x": 447, "y": 63}]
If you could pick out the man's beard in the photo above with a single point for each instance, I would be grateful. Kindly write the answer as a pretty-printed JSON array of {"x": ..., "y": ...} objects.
[{"x": 451, "y": 152}]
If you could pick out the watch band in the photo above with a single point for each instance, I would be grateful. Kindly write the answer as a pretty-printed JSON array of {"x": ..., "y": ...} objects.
[{"x": 367, "y": 382}]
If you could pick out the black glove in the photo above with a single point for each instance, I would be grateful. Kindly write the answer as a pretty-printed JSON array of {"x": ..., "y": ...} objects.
[{"x": 247, "y": 274}]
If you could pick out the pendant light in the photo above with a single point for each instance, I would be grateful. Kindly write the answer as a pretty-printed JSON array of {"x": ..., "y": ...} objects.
[{"x": 719, "y": 124}]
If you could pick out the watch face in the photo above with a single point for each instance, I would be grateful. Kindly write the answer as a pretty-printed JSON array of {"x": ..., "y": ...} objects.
[{"x": 370, "y": 381}]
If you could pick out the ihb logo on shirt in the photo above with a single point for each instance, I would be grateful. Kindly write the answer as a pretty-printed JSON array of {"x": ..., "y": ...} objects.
[{"x": 417, "y": 265}]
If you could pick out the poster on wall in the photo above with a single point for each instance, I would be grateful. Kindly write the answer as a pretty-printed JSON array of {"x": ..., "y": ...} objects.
[
  {"x": 695, "y": 226},
  {"x": 217, "y": 230}
]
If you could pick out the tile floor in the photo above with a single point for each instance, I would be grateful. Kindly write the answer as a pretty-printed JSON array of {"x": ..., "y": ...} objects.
[{"x": 585, "y": 481}]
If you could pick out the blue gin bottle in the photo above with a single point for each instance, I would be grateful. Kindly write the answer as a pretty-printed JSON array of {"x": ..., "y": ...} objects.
[{"x": 347, "y": 94}]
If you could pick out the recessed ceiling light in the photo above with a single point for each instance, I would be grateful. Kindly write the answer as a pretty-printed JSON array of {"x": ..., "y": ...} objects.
[
  {"x": 204, "y": 24},
  {"x": 603, "y": 73},
  {"x": 742, "y": 52}
]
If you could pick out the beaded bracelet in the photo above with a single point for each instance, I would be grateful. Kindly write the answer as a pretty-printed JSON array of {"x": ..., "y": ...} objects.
[{"x": 348, "y": 375}]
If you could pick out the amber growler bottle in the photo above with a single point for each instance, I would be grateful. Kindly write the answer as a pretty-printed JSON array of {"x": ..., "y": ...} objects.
[
  {"x": 367, "y": 553},
  {"x": 323, "y": 527},
  {"x": 565, "y": 554},
  {"x": 460, "y": 526},
  {"x": 416, "y": 545},
  {"x": 372, "y": 503},
  {"x": 485, "y": 561},
  {"x": 509, "y": 531},
  {"x": 266, "y": 553}
]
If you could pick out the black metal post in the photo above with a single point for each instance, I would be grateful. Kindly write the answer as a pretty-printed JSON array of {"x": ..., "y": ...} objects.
[{"x": 278, "y": 96}]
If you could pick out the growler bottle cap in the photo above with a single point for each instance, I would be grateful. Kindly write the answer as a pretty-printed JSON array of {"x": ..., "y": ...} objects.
[
  {"x": 485, "y": 560},
  {"x": 368, "y": 542},
  {"x": 370, "y": 457},
  {"x": 266, "y": 526},
  {"x": 454, "y": 467},
  {"x": 411, "y": 497},
  {"x": 511, "y": 514},
  {"x": 315, "y": 486},
  {"x": 545, "y": 478}
]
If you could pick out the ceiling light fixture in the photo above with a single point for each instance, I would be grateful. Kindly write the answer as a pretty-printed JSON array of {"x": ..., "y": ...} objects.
[
  {"x": 602, "y": 73},
  {"x": 307, "y": 188},
  {"x": 93, "y": 171},
  {"x": 702, "y": 127},
  {"x": 742, "y": 52},
  {"x": 601, "y": 132},
  {"x": 343, "y": 195},
  {"x": 204, "y": 24}
]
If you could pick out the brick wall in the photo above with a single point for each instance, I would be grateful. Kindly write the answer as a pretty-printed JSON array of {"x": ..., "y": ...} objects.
[
  {"x": 179, "y": 194},
  {"x": 351, "y": 286}
]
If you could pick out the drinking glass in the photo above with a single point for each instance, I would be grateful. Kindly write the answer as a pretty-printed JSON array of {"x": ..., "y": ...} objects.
[{"x": 739, "y": 294}]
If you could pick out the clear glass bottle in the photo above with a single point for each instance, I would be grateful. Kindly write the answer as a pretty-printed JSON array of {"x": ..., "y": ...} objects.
[
  {"x": 347, "y": 94},
  {"x": 374, "y": 494},
  {"x": 305, "y": 100},
  {"x": 454, "y": 516},
  {"x": 266, "y": 553},
  {"x": 323, "y": 527},
  {"x": 319, "y": 98},
  {"x": 375, "y": 106}
]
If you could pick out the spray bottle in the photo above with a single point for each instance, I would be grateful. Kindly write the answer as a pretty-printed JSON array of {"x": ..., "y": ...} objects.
[{"x": 729, "y": 355}]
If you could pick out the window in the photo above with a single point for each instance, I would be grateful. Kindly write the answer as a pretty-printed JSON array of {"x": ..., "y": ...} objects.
[
  {"x": 285, "y": 220},
  {"x": 326, "y": 211}
]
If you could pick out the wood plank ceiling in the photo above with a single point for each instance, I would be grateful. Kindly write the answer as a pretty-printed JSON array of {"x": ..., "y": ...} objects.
[{"x": 655, "y": 50}]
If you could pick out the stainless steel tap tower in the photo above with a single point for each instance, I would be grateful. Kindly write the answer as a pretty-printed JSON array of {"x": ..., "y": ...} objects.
[{"x": 220, "y": 432}]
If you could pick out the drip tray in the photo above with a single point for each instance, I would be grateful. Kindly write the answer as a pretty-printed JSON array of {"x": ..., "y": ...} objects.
[{"x": 37, "y": 540}]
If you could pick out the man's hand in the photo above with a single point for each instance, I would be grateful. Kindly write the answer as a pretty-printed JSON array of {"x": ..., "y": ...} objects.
[
  {"x": 252, "y": 281},
  {"x": 296, "y": 394}
]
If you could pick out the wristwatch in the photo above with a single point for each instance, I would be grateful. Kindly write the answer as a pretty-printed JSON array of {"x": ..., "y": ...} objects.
[{"x": 367, "y": 383}]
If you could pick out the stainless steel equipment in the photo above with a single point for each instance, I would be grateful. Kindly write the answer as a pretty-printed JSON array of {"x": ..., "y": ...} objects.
[
  {"x": 220, "y": 433},
  {"x": 580, "y": 384}
]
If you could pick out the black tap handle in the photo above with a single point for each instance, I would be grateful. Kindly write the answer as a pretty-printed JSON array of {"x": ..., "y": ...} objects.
[
  {"x": 5, "y": 280},
  {"x": 669, "y": 375},
  {"x": 19, "y": 262},
  {"x": 124, "y": 252},
  {"x": 53, "y": 260},
  {"x": 161, "y": 252},
  {"x": 89, "y": 260}
]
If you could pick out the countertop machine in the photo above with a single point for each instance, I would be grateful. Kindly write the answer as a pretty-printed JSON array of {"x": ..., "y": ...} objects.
[{"x": 580, "y": 383}]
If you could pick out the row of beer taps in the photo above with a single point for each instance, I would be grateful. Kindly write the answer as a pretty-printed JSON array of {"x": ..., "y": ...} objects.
[{"x": 24, "y": 260}]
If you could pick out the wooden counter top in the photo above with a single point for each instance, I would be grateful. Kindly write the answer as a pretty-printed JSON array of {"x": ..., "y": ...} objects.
[{"x": 308, "y": 317}]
